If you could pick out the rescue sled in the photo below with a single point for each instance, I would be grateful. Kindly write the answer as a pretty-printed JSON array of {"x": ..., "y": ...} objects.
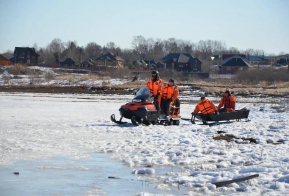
[
  {"x": 141, "y": 110},
  {"x": 237, "y": 115}
]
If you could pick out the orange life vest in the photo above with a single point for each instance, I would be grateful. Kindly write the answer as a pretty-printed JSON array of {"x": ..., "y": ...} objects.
[
  {"x": 168, "y": 92},
  {"x": 155, "y": 86},
  {"x": 205, "y": 107},
  {"x": 229, "y": 102}
]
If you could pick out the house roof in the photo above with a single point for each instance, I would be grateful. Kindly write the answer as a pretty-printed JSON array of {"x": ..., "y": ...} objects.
[
  {"x": 150, "y": 62},
  {"x": 87, "y": 62},
  {"x": 20, "y": 50},
  {"x": 3, "y": 58},
  {"x": 179, "y": 57},
  {"x": 225, "y": 56},
  {"x": 236, "y": 56},
  {"x": 110, "y": 57},
  {"x": 68, "y": 61},
  {"x": 183, "y": 58},
  {"x": 259, "y": 58},
  {"x": 136, "y": 63},
  {"x": 236, "y": 62}
]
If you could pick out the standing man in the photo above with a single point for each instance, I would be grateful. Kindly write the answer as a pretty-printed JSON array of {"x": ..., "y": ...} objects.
[
  {"x": 169, "y": 95},
  {"x": 228, "y": 101},
  {"x": 156, "y": 85}
]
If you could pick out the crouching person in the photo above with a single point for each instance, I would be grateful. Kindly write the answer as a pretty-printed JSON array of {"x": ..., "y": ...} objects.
[
  {"x": 206, "y": 107},
  {"x": 228, "y": 102},
  {"x": 170, "y": 94}
]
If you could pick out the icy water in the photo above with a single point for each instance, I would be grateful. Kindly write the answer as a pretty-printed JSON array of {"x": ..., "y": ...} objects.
[{"x": 67, "y": 176}]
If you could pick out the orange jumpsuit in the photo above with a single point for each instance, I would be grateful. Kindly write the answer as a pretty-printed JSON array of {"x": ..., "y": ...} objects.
[
  {"x": 205, "y": 106},
  {"x": 228, "y": 103},
  {"x": 156, "y": 88}
]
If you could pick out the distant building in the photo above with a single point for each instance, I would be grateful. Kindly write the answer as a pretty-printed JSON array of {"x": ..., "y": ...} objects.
[
  {"x": 3, "y": 60},
  {"x": 151, "y": 64},
  {"x": 216, "y": 57},
  {"x": 233, "y": 64},
  {"x": 111, "y": 60},
  {"x": 24, "y": 55},
  {"x": 67, "y": 62},
  {"x": 282, "y": 60},
  {"x": 87, "y": 63},
  {"x": 182, "y": 62},
  {"x": 259, "y": 59}
]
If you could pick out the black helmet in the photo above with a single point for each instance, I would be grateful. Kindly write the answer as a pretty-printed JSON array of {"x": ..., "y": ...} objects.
[{"x": 155, "y": 75}]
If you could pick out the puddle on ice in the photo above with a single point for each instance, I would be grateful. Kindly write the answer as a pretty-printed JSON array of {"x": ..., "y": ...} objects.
[{"x": 67, "y": 176}]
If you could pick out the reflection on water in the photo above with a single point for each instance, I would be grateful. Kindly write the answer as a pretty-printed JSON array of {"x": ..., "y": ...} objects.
[{"x": 66, "y": 176}]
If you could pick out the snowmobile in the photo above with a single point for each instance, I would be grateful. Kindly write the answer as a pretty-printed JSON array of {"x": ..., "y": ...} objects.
[
  {"x": 141, "y": 110},
  {"x": 225, "y": 116}
]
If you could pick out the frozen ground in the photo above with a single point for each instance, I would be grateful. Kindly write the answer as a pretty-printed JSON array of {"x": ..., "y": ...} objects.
[{"x": 39, "y": 126}]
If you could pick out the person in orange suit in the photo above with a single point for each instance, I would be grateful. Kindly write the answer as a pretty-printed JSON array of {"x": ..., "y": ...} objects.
[
  {"x": 228, "y": 102},
  {"x": 169, "y": 95},
  {"x": 205, "y": 106},
  {"x": 155, "y": 84}
]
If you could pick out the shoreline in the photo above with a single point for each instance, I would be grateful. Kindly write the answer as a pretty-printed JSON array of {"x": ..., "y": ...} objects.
[{"x": 122, "y": 90}]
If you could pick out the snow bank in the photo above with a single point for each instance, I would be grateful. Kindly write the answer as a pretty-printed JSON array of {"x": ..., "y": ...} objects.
[{"x": 37, "y": 126}]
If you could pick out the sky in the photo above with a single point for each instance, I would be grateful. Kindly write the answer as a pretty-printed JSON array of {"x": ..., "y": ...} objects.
[{"x": 257, "y": 24}]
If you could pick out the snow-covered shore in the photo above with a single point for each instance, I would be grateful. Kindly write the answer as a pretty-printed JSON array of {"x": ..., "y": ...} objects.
[{"x": 37, "y": 126}]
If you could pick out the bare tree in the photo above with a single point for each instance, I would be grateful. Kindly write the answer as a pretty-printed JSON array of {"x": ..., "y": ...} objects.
[
  {"x": 139, "y": 44},
  {"x": 92, "y": 51}
]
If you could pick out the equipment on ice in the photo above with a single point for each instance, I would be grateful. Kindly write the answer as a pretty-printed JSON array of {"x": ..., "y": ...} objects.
[
  {"x": 141, "y": 110},
  {"x": 225, "y": 116}
]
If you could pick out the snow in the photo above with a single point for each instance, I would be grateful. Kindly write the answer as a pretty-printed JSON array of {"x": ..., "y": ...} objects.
[
  {"x": 143, "y": 171},
  {"x": 35, "y": 126},
  {"x": 75, "y": 79}
]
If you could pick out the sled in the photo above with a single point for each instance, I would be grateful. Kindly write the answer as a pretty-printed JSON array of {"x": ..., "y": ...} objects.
[{"x": 237, "y": 115}]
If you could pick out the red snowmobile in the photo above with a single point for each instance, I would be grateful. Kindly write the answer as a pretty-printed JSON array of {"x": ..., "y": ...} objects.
[{"x": 141, "y": 110}]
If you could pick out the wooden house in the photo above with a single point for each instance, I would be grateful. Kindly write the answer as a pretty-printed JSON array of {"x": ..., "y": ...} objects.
[
  {"x": 233, "y": 64},
  {"x": 25, "y": 55},
  {"x": 3, "y": 60},
  {"x": 182, "y": 62},
  {"x": 111, "y": 59},
  {"x": 67, "y": 62}
]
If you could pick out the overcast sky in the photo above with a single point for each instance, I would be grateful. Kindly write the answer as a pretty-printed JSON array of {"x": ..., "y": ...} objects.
[{"x": 257, "y": 24}]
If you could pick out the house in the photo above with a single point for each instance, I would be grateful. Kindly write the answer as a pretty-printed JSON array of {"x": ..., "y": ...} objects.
[
  {"x": 182, "y": 62},
  {"x": 87, "y": 63},
  {"x": 264, "y": 60},
  {"x": 25, "y": 55},
  {"x": 3, "y": 60},
  {"x": 160, "y": 65},
  {"x": 233, "y": 64},
  {"x": 151, "y": 64},
  {"x": 282, "y": 59},
  {"x": 67, "y": 62},
  {"x": 111, "y": 59}
]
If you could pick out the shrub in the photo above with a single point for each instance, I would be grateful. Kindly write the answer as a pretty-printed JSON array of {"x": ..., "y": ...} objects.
[
  {"x": 84, "y": 78},
  {"x": 267, "y": 75},
  {"x": 17, "y": 69},
  {"x": 120, "y": 72},
  {"x": 49, "y": 75}
]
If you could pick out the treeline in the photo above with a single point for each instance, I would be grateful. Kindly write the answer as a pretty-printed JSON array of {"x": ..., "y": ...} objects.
[{"x": 142, "y": 48}]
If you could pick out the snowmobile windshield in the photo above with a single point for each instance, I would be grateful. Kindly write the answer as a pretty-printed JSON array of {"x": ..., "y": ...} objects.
[{"x": 142, "y": 95}]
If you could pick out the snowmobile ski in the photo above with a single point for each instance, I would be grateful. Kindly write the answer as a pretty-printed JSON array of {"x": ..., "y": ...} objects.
[{"x": 112, "y": 118}]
